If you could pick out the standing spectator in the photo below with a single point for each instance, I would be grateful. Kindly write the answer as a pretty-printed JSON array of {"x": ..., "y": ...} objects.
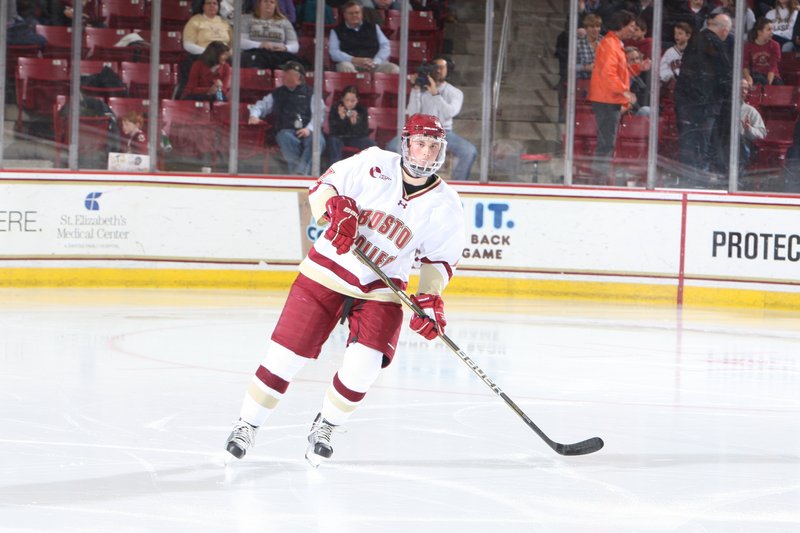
[
  {"x": 268, "y": 38},
  {"x": 639, "y": 38},
  {"x": 587, "y": 45},
  {"x": 132, "y": 124},
  {"x": 291, "y": 106},
  {"x": 761, "y": 55},
  {"x": 670, "y": 66},
  {"x": 435, "y": 96},
  {"x": 702, "y": 90},
  {"x": 210, "y": 77},
  {"x": 783, "y": 17},
  {"x": 358, "y": 46},
  {"x": 728, "y": 7},
  {"x": 347, "y": 125},
  {"x": 426, "y": 226},
  {"x": 610, "y": 87}
]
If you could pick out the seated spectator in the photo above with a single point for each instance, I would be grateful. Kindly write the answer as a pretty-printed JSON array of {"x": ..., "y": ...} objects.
[
  {"x": 358, "y": 46},
  {"x": 268, "y": 38},
  {"x": 670, "y": 66},
  {"x": 290, "y": 107},
  {"x": 761, "y": 55},
  {"x": 21, "y": 29},
  {"x": 206, "y": 27},
  {"x": 132, "y": 124},
  {"x": 783, "y": 17},
  {"x": 586, "y": 45},
  {"x": 201, "y": 29},
  {"x": 638, "y": 40},
  {"x": 694, "y": 13},
  {"x": 436, "y": 96},
  {"x": 210, "y": 77},
  {"x": 307, "y": 12},
  {"x": 753, "y": 128},
  {"x": 347, "y": 125},
  {"x": 63, "y": 12}
]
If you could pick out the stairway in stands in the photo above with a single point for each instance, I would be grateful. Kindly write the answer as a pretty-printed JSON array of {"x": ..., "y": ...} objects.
[{"x": 528, "y": 107}]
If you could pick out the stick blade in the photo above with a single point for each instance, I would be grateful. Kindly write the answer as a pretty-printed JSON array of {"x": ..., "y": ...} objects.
[{"x": 580, "y": 448}]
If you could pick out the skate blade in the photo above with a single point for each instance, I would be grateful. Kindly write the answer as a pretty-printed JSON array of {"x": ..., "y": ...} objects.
[{"x": 312, "y": 458}]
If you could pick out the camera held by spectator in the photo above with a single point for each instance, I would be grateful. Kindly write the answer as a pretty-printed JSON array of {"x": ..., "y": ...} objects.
[{"x": 424, "y": 72}]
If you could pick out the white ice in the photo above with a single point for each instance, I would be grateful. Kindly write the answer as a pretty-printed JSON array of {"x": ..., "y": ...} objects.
[{"x": 115, "y": 407}]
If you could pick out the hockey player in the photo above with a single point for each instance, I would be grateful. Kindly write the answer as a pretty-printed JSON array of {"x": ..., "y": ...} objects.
[{"x": 400, "y": 213}]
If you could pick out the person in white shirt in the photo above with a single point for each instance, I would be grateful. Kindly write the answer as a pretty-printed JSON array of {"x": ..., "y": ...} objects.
[
  {"x": 753, "y": 128},
  {"x": 670, "y": 66},
  {"x": 400, "y": 213},
  {"x": 434, "y": 95},
  {"x": 783, "y": 18}
]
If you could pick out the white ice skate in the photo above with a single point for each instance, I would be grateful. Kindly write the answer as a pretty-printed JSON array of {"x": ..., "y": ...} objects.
[
  {"x": 242, "y": 438},
  {"x": 319, "y": 441}
]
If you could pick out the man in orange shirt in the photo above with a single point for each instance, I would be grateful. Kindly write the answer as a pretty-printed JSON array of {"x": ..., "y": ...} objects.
[{"x": 610, "y": 86}]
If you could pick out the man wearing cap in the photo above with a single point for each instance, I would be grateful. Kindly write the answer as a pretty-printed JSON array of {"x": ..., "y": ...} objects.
[
  {"x": 359, "y": 46},
  {"x": 291, "y": 106}
]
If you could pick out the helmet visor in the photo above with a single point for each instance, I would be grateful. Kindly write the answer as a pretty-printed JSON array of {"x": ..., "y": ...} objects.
[{"x": 423, "y": 155}]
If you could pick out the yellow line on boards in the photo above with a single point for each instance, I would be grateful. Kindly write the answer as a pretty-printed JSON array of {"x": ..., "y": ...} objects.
[{"x": 489, "y": 287}]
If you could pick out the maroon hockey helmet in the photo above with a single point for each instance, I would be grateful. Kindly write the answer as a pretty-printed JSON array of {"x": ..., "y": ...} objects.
[{"x": 426, "y": 126}]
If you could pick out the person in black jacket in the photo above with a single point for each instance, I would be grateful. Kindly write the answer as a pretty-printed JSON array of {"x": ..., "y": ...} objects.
[
  {"x": 703, "y": 91},
  {"x": 359, "y": 46},
  {"x": 347, "y": 125},
  {"x": 289, "y": 107}
]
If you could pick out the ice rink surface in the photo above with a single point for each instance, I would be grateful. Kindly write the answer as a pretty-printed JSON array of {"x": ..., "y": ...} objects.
[{"x": 115, "y": 407}]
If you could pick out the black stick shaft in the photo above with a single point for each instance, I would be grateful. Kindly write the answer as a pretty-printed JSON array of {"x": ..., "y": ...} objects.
[{"x": 579, "y": 448}]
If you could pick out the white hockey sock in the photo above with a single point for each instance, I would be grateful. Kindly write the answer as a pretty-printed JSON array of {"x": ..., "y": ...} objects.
[
  {"x": 269, "y": 383},
  {"x": 359, "y": 371}
]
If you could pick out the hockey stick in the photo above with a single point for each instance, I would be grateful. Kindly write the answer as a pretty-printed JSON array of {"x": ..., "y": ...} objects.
[{"x": 579, "y": 448}]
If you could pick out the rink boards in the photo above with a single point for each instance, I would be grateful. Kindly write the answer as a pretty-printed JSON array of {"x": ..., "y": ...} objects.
[{"x": 695, "y": 248}]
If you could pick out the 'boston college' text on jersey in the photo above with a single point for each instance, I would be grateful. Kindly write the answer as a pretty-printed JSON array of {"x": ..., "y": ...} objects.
[{"x": 395, "y": 230}]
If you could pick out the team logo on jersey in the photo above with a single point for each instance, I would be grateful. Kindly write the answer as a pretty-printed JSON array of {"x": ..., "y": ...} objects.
[{"x": 375, "y": 172}]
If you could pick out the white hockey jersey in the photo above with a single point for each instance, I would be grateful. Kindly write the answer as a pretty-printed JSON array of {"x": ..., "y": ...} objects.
[{"x": 395, "y": 231}]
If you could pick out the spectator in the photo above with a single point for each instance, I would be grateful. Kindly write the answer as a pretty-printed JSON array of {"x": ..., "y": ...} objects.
[
  {"x": 638, "y": 70},
  {"x": 307, "y": 12},
  {"x": 268, "y": 38},
  {"x": 783, "y": 17},
  {"x": 728, "y": 7},
  {"x": 206, "y": 27},
  {"x": 702, "y": 90},
  {"x": 21, "y": 29},
  {"x": 63, "y": 12},
  {"x": 601, "y": 8},
  {"x": 347, "y": 125},
  {"x": 291, "y": 106},
  {"x": 132, "y": 128},
  {"x": 753, "y": 128},
  {"x": 210, "y": 77},
  {"x": 694, "y": 13},
  {"x": 435, "y": 96},
  {"x": 288, "y": 9},
  {"x": 358, "y": 46},
  {"x": 610, "y": 87},
  {"x": 761, "y": 55},
  {"x": 671, "y": 60},
  {"x": 639, "y": 40},
  {"x": 587, "y": 45}
]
